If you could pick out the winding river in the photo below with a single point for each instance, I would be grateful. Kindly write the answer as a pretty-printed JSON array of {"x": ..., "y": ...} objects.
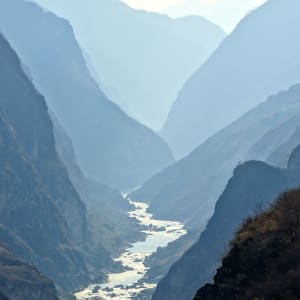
[{"x": 125, "y": 285}]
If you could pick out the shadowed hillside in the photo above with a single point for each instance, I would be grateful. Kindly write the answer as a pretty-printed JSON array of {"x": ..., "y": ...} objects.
[{"x": 264, "y": 259}]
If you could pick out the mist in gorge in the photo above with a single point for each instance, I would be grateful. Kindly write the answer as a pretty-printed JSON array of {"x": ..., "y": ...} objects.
[{"x": 149, "y": 150}]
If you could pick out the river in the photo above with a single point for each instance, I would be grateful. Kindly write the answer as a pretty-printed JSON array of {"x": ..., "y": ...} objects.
[{"x": 125, "y": 285}]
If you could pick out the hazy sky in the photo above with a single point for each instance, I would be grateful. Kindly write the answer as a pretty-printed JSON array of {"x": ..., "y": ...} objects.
[{"x": 226, "y": 13}]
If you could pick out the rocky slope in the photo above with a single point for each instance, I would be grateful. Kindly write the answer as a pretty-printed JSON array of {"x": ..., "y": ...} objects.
[
  {"x": 19, "y": 281},
  {"x": 144, "y": 68},
  {"x": 253, "y": 186},
  {"x": 263, "y": 261},
  {"x": 240, "y": 74},
  {"x": 110, "y": 147}
]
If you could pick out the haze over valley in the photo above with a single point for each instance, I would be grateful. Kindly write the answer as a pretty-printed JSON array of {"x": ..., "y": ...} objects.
[{"x": 149, "y": 150}]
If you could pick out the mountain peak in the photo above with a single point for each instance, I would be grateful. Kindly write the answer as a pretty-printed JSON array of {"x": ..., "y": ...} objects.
[{"x": 240, "y": 74}]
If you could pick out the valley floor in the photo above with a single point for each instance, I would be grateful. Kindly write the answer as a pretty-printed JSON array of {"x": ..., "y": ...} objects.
[{"x": 129, "y": 283}]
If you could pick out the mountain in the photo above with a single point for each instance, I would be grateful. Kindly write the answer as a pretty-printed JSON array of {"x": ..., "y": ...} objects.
[
  {"x": 20, "y": 281},
  {"x": 263, "y": 261},
  {"x": 190, "y": 187},
  {"x": 142, "y": 69},
  {"x": 280, "y": 156},
  {"x": 111, "y": 147},
  {"x": 109, "y": 225},
  {"x": 240, "y": 74},
  {"x": 280, "y": 137},
  {"x": 294, "y": 159},
  {"x": 253, "y": 186},
  {"x": 43, "y": 220},
  {"x": 220, "y": 12}
]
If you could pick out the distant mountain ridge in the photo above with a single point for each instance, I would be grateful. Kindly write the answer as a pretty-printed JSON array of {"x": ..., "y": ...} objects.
[
  {"x": 20, "y": 281},
  {"x": 220, "y": 13},
  {"x": 142, "y": 69},
  {"x": 190, "y": 187},
  {"x": 258, "y": 59},
  {"x": 279, "y": 157},
  {"x": 110, "y": 147}
]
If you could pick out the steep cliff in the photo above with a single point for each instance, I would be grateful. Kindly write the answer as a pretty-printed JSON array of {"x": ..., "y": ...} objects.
[{"x": 111, "y": 147}]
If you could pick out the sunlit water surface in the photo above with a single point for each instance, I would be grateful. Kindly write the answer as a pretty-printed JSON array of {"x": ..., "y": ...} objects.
[{"x": 125, "y": 285}]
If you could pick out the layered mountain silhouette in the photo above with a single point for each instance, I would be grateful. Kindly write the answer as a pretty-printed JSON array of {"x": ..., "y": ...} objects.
[
  {"x": 253, "y": 186},
  {"x": 263, "y": 261},
  {"x": 282, "y": 140},
  {"x": 69, "y": 153},
  {"x": 280, "y": 156},
  {"x": 141, "y": 59},
  {"x": 258, "y": 59},
  {"x": 111, "y": 147},
  {"x": 190, "y": 187}
]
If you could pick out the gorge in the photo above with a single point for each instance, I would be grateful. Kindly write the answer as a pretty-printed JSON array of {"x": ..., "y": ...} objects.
[
  {"x": 97, "y": 98},
  {"x": 129, "y": 283}
]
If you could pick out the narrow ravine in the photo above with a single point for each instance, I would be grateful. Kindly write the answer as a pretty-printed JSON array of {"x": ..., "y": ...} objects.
[{"x": 126, "y": 285}]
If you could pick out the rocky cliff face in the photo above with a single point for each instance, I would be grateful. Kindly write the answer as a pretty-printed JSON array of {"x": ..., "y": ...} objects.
[
  {"x": 19, "y": 281},
  {"x": 294, "y": 159},
  {"x": 30, "y": 222},
  {"x": 42, "y": 217},
  {"x": 263, "y": 261},
  {"x": 279, "y": 157},
  {"x": 109, "y": 226}
]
